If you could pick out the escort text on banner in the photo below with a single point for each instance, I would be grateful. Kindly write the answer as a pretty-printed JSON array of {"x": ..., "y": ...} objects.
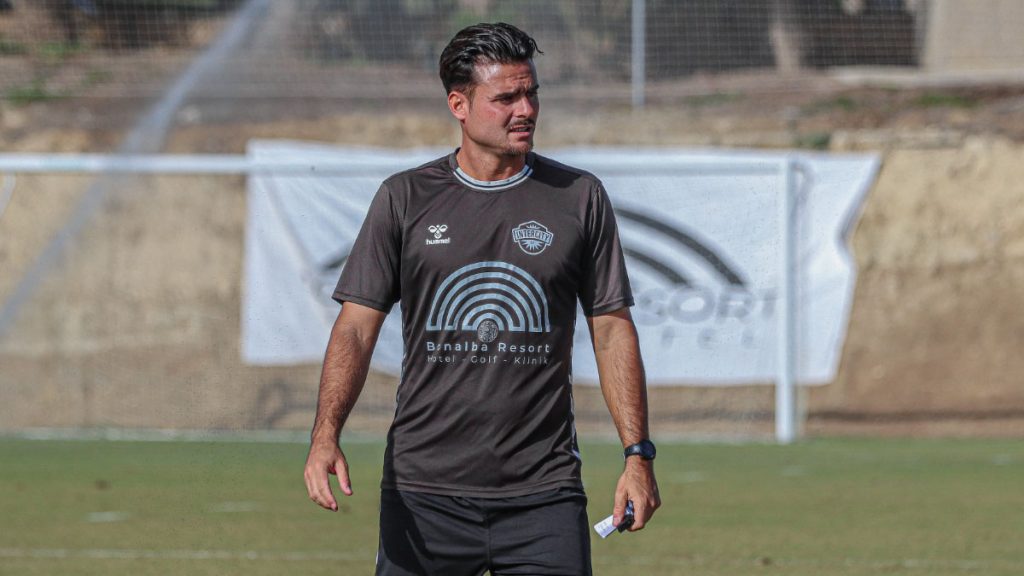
[{"x": 699, "y": 229}]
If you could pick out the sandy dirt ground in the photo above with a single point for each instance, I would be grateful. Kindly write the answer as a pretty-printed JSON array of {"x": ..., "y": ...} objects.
[{"x": 138, "y": 324}]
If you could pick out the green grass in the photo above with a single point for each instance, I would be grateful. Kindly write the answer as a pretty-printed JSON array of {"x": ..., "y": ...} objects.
[
  {"x": 840, "y": 103},
  {"x": 813, "y": 141},
  {"x": 36, "y": 91},
  {"x": 940, "y": 100},
  {"x": 57, "y": 52},
  {"x": 11, "y": 48},
  {"x": 713, "y": 99},
  {"x": 831, "y": 507}
]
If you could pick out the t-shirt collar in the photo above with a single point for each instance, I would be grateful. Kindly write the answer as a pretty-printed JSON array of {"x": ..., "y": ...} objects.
[{"x": 491, "y": 185}]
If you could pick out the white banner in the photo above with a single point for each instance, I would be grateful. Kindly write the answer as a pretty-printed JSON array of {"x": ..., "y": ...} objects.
[{"x": 701, "y": 233}]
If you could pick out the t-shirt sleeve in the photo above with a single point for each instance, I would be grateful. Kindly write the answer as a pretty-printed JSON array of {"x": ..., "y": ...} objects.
[
  {"x": 371, "y": 274},
  {"x": 605, "y": 284}
]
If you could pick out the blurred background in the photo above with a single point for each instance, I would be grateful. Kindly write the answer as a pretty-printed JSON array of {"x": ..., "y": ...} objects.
[{"x": 121, "y": 295}]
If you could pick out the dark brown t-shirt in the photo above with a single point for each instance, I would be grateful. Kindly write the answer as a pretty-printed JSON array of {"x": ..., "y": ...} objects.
[{"x": 489, "y": 275}]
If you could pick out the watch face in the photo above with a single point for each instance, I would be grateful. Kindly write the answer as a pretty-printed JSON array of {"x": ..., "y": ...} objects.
[{"x": 647, "y": 450}]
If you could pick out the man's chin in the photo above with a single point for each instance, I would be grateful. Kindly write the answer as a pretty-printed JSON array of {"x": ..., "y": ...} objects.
[{"x": 518, "y": 149}]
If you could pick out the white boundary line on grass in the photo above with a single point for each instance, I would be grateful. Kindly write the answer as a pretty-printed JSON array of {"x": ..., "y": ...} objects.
[
  {"x": 881, "y": 565},
  {"x": 239, "y": 436},
  {"x": 885, "y": 565},
  {"x": 172, "y": 435},
  {"x": 130, "y": 554}
]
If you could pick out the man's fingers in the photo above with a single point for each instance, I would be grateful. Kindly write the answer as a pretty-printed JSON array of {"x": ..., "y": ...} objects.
[
  {"x": 637, "y": 484},
  {"x": 640, "y": 515},
  {"x": 326, "y": 496},
  {"x": 643, "y": 511},
  {"x": 319, "y": 487},
  {"x": 341, "y": 469},
  {"x": 319, "y": 465},
  {"x": 619, "y": 510},
  {"x": 314, "y": 486}
]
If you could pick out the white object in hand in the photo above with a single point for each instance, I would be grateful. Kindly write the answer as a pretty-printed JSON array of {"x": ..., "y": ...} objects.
[{"x": 605, "y": 527}]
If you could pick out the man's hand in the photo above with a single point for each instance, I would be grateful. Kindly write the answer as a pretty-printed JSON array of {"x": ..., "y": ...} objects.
[
  {"x": 326, "y": 458},
  {"x": 637, "y": 483}
]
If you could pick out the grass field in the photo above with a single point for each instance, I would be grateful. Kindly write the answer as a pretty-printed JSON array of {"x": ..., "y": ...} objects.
[{"x": 823, "y": 507}]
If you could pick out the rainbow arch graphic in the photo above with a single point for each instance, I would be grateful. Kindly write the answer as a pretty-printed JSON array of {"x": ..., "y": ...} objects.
[{"x": 498, "y": 291}]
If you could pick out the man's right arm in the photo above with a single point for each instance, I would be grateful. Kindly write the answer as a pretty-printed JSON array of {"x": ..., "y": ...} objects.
[{"x": 346, "y": 363}]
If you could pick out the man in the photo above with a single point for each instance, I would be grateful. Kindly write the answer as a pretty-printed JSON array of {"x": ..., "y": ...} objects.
[{"x": 489, "y": 249}]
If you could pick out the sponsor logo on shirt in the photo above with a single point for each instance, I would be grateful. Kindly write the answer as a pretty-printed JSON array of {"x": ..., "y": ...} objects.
[
  {"x": 488, "y": 299},
  {"x": 438, "y": 231},
  {"x": 533, "y": 237}
]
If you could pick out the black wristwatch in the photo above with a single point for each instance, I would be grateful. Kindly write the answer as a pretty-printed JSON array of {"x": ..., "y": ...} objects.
[{"x": 644, "y": 449}]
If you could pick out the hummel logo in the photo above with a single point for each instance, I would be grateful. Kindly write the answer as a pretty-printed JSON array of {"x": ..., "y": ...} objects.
[{"x": 438, "y": 231}]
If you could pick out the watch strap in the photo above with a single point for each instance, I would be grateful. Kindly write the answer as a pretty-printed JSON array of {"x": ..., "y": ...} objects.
[{"x": 644, "y": 449}]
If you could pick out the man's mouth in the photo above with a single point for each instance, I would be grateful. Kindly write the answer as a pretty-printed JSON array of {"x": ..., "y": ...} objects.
[{"x": 522, "y": 128}]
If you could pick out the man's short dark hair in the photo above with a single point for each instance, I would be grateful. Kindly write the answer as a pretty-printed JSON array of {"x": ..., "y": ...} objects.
[{"x": 483, "y": 43}]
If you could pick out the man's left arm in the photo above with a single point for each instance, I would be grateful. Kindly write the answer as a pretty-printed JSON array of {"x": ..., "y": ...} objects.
[{"x": 621, "y": 370}]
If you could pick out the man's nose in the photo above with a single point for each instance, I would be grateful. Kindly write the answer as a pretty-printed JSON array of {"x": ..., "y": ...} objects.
[{"x": 525, "y": 107}]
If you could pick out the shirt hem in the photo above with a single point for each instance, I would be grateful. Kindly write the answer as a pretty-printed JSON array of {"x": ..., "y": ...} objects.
[
  {"x": 610, "y": 307},
  {"x": 475, "y": 492},
  {"x": 342, "y": 297}
]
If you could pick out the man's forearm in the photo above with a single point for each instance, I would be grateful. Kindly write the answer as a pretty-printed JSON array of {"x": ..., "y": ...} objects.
[
  {"x": 621, "y": 370},
  {"x": 346, "y": 364},
  {"x": 617, "y": 348}
]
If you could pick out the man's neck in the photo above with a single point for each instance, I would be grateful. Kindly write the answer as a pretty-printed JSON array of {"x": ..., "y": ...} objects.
[{"x": 487, "y": 166}]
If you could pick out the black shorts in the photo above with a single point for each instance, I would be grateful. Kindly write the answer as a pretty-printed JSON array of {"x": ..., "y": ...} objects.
[{"x": 540, "y": 534}]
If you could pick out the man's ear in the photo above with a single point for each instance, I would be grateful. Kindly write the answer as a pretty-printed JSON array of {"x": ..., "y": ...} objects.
[{"x": 458, "y": 103}]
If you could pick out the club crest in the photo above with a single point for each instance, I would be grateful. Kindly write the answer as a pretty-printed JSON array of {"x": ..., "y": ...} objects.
[{"x": 533, "y": 237}]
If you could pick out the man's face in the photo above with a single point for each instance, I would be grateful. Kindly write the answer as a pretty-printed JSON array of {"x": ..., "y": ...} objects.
[{"x": 500, "y": 113}]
